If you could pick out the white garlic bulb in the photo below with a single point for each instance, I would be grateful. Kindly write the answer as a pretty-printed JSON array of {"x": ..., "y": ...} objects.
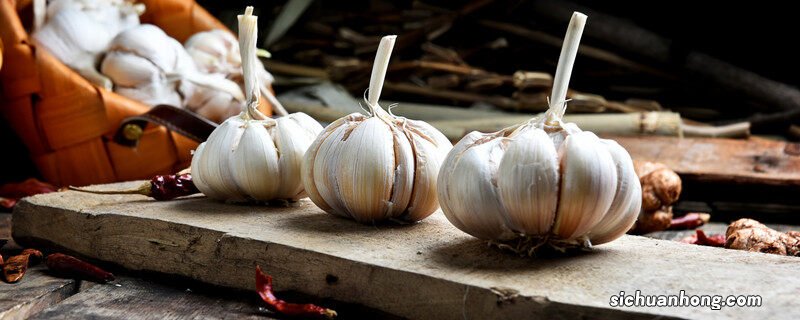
[
  {"x": 544, "y": 181},
  {"x": 250, "y": 156},
  {"x": 217, "y": 52},
  {"x": 78, "y": 31},
  {"x": 147, "y": 65},
  {"x": 115, "y": 15},
  {"x": 376, "y": 167}
]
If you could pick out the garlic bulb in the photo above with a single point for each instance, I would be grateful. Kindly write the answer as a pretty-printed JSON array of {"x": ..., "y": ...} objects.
[
  {"x": 78, "y": 31},
  {"x": 115, "y": 15},
  {"x": 544, "y": 181},
  {"x": 250, "y": 156},
  {"x": 217, "y": 52},
  {"x": 376, "y": 167},
  {"x": 148, "y": 65}
]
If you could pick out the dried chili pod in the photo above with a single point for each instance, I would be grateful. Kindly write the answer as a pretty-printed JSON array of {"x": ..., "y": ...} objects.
[
  {"x": 689, "y": 221},
  {"x": 15, "y": 267},
  {"x": 35, "y": 256},
  {"x": 700, "y": 238},
  {"x": 71, "y": 267},
  {"x": 11, "y": 193},
  {"x": 308, "y": 310},
  {"x": 160, "y": 187}
]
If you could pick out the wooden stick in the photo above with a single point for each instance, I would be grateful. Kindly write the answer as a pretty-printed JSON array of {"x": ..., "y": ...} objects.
[
  {"x": 736, "y": 130},
  {"x": 652, "y": 123},
  {"x": 758, "y": 161},
  {"x": 278, "y": 67}
]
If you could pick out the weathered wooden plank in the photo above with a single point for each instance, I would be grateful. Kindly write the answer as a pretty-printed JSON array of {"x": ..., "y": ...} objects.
[
  {"x": 35, "y": 292},
  {"x": 131, "y": 298},
  {"x": 751, "y": 161},
  {"x": 424, "y": 270}
]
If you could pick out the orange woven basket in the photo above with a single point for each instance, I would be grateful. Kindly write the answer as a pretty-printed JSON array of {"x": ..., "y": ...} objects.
[{"x": 67, "y": 123}]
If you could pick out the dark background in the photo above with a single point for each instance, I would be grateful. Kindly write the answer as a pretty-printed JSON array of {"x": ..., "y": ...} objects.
[{"x": 756, "y": 35}]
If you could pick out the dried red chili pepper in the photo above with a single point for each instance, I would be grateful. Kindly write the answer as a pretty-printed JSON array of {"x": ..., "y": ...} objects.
[
  {"x": 689, "y": 221},
  {"x": 161, "y": 187},
  {"x": 15, "y": 267},
  {"x": 264, "y": 289},
  {"x": 700, "y": 238},
  {"x": 10, "y": 193},
  {"x": 71, "y": 267},
  {"x": 36, "y": 256}
]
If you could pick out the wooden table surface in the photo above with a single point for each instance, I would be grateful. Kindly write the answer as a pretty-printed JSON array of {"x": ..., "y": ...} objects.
[{"x": 40, "y": 295}]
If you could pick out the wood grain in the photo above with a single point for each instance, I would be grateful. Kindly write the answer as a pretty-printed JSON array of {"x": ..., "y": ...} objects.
[
  {"x": 424, "y": 270},
  {"x": 751, "y": 161},
  {"x": 35, "y": 292},
  {"x": 131, "y": 298}
]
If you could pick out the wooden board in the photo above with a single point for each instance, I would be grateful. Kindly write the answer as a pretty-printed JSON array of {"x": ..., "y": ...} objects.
[
  {"x": 752, "y": 161},
  {"x": 35, "y": 292},
  {"x": 424, "y": 270},
  {"x": 131, "y": 298}
]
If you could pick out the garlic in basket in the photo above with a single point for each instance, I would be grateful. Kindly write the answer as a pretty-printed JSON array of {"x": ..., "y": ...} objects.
[
  {"x": 544, "y": 182},
  {"x": 250, "y": 156},
  {"x": 78, "y": 31},
  {"x": 217, "y": 52},
  {"x": 149, "y": 66},
  {"x": 376, "y": 167}
]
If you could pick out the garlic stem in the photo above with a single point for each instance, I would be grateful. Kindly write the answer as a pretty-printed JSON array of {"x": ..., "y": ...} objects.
[
  {"x": 379, "y": 68},
  {"x": 248, "y": 30},
  {"x": 558, "y": 102}
]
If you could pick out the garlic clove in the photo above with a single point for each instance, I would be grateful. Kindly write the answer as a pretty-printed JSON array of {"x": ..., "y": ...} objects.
[
  {"x": 152, "y": 94},
  {"x": 199, "y": 177},
  {"x": 588, "y": 185},
  {"x": 293, "y": 134},
  {"x": 214, "y": 162},
  {"x": 528, "y": 181},
  {"x": 129, "y": 70},
  {"x": 627, "y": 201},
  {"x": 430, "y": 147},
  {"x": 254, "y": 165},
  {"x": 328, "y": 160},
  {"x": 364, "y": 179},
  {"x": 311, "y": 175},
  {"x": 466, "y": 187},
  {"x": 211, "y": 104},
  {"x": 404, "y": 172}
]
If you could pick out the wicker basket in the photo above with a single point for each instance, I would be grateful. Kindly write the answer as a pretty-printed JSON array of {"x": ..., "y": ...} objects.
[{"x": 67, "y": 123}]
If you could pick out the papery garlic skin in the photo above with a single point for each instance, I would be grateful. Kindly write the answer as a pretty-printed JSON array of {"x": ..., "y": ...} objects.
[
  {"x": 250, "y": 157},
  {"x": 257, "y": 160},
  {"x": 142, "y": 61},
  {"x": 216, "y": 52},
  {"x": 77, "y": 32},
  {"x": 544, "y": 182},
  {"x": 147, "y": 65},
  {"x": 539, "y": 181},
  {"x": 377, "y": 167}
]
